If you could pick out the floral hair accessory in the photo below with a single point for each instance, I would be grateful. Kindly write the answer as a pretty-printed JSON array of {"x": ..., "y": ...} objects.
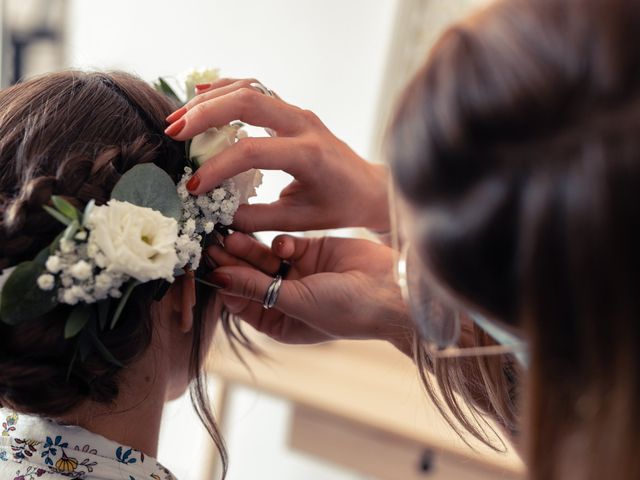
[{"x": 150, "y": 229}]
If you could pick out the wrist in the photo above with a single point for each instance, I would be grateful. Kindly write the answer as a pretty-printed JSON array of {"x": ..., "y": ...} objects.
[{"x": 376, "y": 207}]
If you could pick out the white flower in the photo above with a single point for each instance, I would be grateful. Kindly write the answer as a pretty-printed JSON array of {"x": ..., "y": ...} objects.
[
  {"x": 219, "y": 194},
  {"x": 135, "y": 241},
  {"x": 54, "y": 264},
  {"x": 115, "y": 293},
  {"x": 228, "y": 207},
  {"x": 81, "y": 235},
  {"x": 74, "y": 294},
  {"x": 211, "y": 142},
  {"x": 66, "y": 246},
  {"x": 247, "y": 183},
  {"x": 209, "y": 226},
  {"x": 81, "y": 270},
  {"x": 103, "y": 281},
  {"x": 92, "y": 250},
  {"x": 46, "y": 281},
  {"x": 189, "y": 227},
  {"x": 196, "y": 77}
]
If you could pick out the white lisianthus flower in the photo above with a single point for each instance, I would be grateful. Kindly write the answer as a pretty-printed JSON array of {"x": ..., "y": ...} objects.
[
  {"x": 211, "y": 142},
  {"x": 46, "y": 281},
  {"x": 196, "y": 77},
  {"x": 135, "y": 241}
]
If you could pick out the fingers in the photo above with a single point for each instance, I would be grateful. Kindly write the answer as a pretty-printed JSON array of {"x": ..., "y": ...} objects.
[
  {"x": 240, "y": 249},
  {"x": 272, "y": 216},
  {"x": 219, "y": 88},
  {"x": 294, "y": 299},
  {"x": 244, "y": 104},
  {"x": 273, "y": 322},
  {"x": 263, "y": 153},
  {"x": 289, "y": 247}
]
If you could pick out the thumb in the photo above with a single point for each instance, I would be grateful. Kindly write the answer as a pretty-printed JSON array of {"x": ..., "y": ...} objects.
[{"x": 238, "y": 281}]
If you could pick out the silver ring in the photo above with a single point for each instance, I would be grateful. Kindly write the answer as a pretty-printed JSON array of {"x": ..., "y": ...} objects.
[
  {"x": 271, "y": 297},
  {"x": 262, "y": 89}
]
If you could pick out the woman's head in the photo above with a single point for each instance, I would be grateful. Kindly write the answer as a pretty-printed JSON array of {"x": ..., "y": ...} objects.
[
  {"x": 518, "y": 147},
  {"x": 74, "y": 134}
]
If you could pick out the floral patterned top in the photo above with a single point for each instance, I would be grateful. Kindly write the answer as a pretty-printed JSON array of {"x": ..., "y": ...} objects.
[{"x": 33, "y": 447}]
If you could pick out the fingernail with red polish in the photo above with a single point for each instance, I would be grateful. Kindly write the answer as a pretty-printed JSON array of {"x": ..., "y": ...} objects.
[
  {"x": 175, "y": 128},
  {"x": 203, "y": 86},
  {"x": 193, "y": 183},
  {"x": 220, "y": 280},
  {"x": 176, "y": 115}
]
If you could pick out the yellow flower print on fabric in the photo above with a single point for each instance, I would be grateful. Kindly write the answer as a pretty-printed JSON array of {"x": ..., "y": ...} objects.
[{"x": 66, "y": 464}]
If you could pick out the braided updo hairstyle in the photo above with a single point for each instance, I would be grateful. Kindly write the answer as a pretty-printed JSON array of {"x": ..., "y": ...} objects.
[{"x": 74, "y": 134}]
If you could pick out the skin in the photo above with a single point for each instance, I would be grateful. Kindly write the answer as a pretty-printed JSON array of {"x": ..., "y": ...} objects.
[
  {"x": 355, "y": 196},
  {"x": 336, "y": 288},
  {"x": 160, "y": 375},
  {"x": 349, "y": 281}
]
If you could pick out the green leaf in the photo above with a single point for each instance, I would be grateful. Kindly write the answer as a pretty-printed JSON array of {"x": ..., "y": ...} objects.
[
  {"x": 21, "y": 298},
  {"x": 71, "y": 230},
  {"x": 147, "y": 185},
  {"x": 104, "y": 351},
  {"x": 163, "y": 87},
  {"x": 103, "y": 312},
  {"x": 84, "y": 345},
  {"x": 57, "y": 215},
  {"x": 77, "y": 320},
  {"x": 87, "y": 210},
  {"x": 65, "y": 208},
  {"x": 123, "y": 301}
]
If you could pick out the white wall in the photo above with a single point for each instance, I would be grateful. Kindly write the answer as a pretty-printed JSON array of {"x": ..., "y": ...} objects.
[{"x": 325, "y": 55}]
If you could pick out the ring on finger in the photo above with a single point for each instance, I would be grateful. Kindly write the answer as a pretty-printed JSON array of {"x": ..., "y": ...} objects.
[
  {"x": 271, "y": 297},
  {"x": 283, "y": 269},
  {"x": 262, "y": 89}
]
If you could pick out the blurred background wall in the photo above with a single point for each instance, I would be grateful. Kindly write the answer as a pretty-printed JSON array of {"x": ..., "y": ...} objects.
[{"x": 345, "y": 60}]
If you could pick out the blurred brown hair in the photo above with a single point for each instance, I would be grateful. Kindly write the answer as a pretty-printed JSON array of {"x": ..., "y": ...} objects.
[
  {"x": 519, "y": 140},
  {"x": 74, "y": 134}
]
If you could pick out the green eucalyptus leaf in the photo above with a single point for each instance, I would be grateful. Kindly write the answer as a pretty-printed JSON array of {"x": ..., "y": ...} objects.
[
  {"x": 21, "y": 299},
  {"x": 65, "y": 208},
  {"x": 163, "y": 87},
  {"x": 123, "y": 301},
  {"x": 77, "y": 320},
  {"x": 147, "y": 185},
  {"x": 57, "y": 215}
]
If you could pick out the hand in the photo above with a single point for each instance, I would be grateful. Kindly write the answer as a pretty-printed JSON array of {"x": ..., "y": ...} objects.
[
  {"x": 336, "y": 288},
  {"x": 332, "y": 188}
]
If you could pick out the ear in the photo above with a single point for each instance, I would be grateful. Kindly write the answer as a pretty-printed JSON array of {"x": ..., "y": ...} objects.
[{"x": 185, "y": 300}]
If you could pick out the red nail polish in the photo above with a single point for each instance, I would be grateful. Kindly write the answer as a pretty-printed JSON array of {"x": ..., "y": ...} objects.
[
  {"x": 221, "y": 280},
  {"x": 203, "y": 86},
  {"x": 176, "y": 115},
  {"x": 175, "y": 128},
  {"x": 193, "y": 183}
]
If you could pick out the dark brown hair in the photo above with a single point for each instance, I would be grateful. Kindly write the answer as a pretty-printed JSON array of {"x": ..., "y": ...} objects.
[
  {"x": 519, "y": 141},
  {"x": 74, "y": 134}
]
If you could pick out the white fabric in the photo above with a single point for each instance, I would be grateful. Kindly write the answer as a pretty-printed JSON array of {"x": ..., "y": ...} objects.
[{"x": 33, "y": 447}]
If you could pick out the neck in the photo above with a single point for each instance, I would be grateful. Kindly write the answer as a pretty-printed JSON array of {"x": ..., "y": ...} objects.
[{"x": 134, "y": 419}]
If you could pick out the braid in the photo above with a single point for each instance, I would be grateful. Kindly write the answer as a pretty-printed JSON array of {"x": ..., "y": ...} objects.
[{"x": 25, "y": 227}]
